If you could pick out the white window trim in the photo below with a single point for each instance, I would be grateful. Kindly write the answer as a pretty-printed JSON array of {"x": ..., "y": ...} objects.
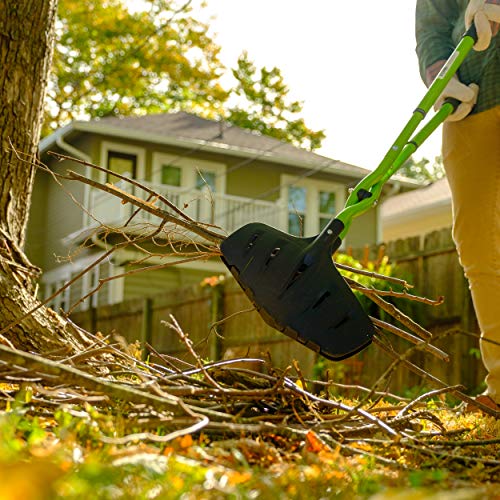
[
  {"x": 313, "y": 187},
  {"x": 189, "y": 168},
  {"x": 107, "y": 146}
]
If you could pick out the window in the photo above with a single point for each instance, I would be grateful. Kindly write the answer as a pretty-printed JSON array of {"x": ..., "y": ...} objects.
[
  {"x": 206, "y": 179},
  {"x": 297, "y": 197},
  {"x": 310, "y": 203},
  {"x": 123, "y": 159},
  {"x": 171, "y": 175},
  {"x": 187, "y": 173},
  {"x": 189, "y": 183},
  {"x": 326, "y": 208},
  {"x": 123, "y": 164}
]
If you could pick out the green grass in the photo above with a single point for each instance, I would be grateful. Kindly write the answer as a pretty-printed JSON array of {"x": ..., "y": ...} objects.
[{"x": 45, "y": 455}]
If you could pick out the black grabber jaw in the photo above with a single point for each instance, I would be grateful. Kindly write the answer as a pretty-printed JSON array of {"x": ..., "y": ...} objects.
[{"x": 297, "y": 289}]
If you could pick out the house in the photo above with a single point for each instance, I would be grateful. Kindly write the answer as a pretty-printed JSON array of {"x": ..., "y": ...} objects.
[
  {"x": 215, "y": 172},
  {"x": 418, "y": 212}
]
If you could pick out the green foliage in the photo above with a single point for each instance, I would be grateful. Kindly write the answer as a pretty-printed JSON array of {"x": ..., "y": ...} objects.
[
  {"x": 61, "y": 456},
  {"x": 336, "y": 371},
  {"x": 111, "y": 61},
  {"x": 475, "y": 352},
  {"x": 380, "y": 266},
  {"x": 264, "y": 105},
  {"x": 422, "y": 170},
  {"x": 427, "y": 477}
]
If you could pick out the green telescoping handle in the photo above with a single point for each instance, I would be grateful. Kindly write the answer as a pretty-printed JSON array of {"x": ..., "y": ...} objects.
[{"x": 368, "y": 190}]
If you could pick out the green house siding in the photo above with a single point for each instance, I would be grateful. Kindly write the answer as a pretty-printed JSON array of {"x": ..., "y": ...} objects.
[
  {"x": 54, "y": 212},
  {"x": 255, "y": 181},
  {"x": 235, "y": 170},
  {"x": 53, "y": 216},
  {"x": 36, "y": 235},
  {"x": 364, "y": 230}
]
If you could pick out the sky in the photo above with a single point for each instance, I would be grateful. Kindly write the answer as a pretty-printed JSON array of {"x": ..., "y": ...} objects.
[{"x": 352, "y": 63}]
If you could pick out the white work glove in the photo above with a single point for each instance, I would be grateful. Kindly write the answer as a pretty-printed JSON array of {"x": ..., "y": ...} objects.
[
  {"x": 486, "y": 16},
  {"x": 467, "y": 94}
]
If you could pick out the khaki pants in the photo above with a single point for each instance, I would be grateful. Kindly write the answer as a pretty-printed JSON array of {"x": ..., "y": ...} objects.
[{"x": 471, "y": 157}]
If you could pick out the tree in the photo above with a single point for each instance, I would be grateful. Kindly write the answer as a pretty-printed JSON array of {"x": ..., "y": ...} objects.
[
  {"x": 26, "y": 39},
  {"x": 264, "y": 105},
  {"x": 160, "y": 59},
  {"x": 112, "y": 61},
  {"x": 27, "y": 31},
  {"x": 422, "y": 170}
]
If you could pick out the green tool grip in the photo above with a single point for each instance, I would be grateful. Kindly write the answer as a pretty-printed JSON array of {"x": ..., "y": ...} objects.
[
  {"x": 454, "y": 102},
  {"x": 368, "y": 190}
]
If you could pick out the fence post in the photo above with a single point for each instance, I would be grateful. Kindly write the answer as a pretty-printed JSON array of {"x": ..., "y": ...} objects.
[
  {"x": 147, "y": 325},
  {"x": 216, "y": 314}
]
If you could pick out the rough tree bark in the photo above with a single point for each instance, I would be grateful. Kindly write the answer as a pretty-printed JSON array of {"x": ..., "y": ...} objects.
[{"x": 26, "y": 40}]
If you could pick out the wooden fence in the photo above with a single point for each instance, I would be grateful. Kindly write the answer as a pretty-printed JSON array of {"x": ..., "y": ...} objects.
[{"x": 431, "y": 264}]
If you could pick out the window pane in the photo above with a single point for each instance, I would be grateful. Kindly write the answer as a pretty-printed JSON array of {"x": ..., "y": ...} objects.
[
  {"x": 297, "y": 199},
  {"x": 121, "y": 163},
  {"x": 326, "y": 202},
  {"x": 205, "y": 178},
  {"x": 170, "y": 175},
  {"x": 296, "y": 224}
]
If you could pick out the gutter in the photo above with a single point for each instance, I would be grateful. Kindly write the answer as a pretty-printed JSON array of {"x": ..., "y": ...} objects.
[
  {"x": 77, "y": 153},
  {"x": 61, "y": 143},
  {"x": 329, "y": 165}
]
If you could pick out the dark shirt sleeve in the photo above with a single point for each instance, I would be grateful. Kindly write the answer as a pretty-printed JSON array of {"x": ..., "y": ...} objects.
[{"x": 434, "y": 23}]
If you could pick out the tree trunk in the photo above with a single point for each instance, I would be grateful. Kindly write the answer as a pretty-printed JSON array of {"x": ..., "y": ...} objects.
[{"x": 26, "y": 41}]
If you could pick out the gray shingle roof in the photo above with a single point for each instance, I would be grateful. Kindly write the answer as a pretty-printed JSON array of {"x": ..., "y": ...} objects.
[
  {"x": 192, "y": 132},
  {"x": 191, "y": 127}
]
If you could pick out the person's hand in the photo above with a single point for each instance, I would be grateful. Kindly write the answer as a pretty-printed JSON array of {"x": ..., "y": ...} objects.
[
  {"x": 486, "y": 17},
  {"x": 466, "y": 94}
]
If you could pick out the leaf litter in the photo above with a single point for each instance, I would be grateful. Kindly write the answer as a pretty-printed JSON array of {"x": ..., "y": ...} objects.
[
  {"x": 105, "y": 424},
  {"x": 171, "y": 429}
]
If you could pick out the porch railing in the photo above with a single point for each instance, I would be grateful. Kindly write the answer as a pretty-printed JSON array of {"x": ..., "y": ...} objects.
[{"x": 226, "y": 211}]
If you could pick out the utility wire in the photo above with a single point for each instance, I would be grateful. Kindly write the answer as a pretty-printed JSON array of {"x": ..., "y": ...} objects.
[{"x": 243, "y": 163}]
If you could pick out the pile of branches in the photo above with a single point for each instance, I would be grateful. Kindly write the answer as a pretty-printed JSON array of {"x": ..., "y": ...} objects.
[
  {"x": 271, "y": 410},
  {"x": 177, "y": 228}
]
